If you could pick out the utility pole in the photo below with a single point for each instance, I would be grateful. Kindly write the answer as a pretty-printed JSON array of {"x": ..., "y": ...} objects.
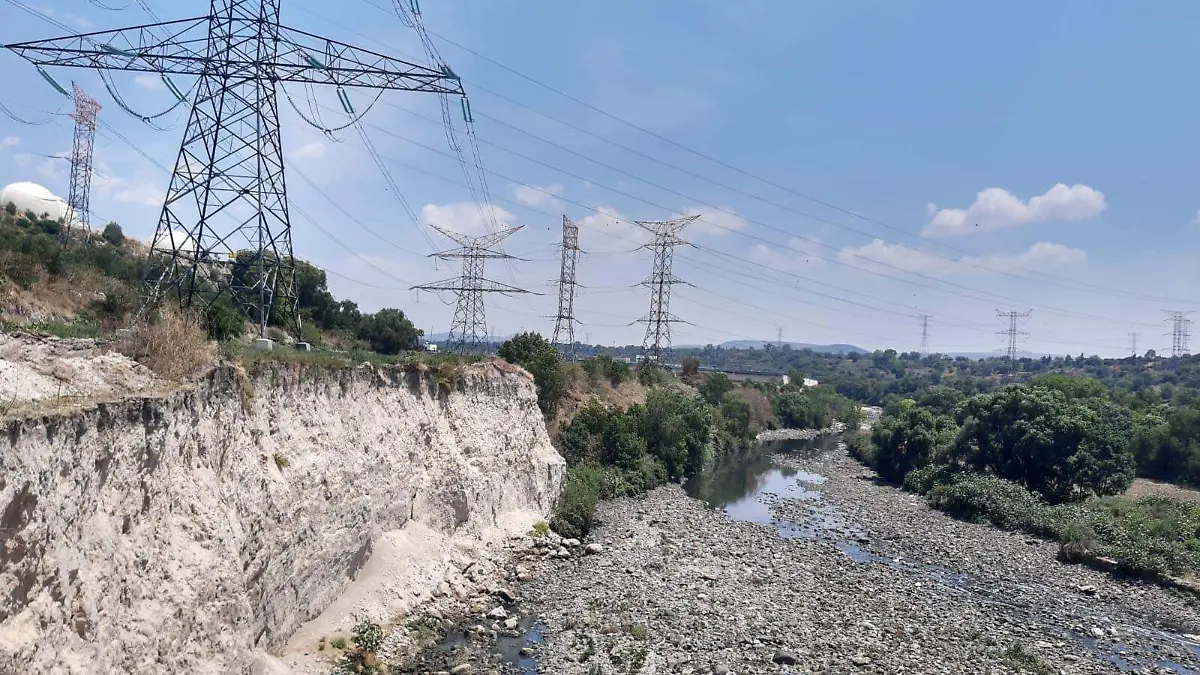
[
  {"x": 925, "y": 334},
  {"x": 1180, "y": 331},
  {"x": 226, "y": 204},
  {"x": 658, "y": 321},
  {"x": 1012, "y": 331},
  {"x": 469, "y": 330},
  {"x": 1133, "y": 345},
  {"x": 564, "y": 323},
  {"x": 79, "y": 196}
]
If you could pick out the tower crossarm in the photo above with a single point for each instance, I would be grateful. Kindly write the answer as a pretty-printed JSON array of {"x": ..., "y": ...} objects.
[
  {"x": 180, "y": 47},
  {"x": 172, "y": 46}
]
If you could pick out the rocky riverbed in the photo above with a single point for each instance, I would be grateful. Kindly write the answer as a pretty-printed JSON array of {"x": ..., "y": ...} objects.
[{"x": 810, "y": 567}]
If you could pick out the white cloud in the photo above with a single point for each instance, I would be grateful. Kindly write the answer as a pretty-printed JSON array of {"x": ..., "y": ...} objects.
[
  {"x": 884, "y": 257},
  {"x": 716, "y": 221},
  {"x": 466, "y": 218},
  {"x": 996, "y": 208},
  {"x": 536, "y": 195},
  {"x": 149, "y": 82},
  {"x": 10, "y": 141},
  {"x": 606, "y": 230},
  {"x": 314, "y": 150},
  {"x": 799, "y": 256},
  {"x": 108, "y": 185}
]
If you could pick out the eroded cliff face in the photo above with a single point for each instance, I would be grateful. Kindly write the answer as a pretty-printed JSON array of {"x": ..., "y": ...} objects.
[{"x": 182, "y": 533}]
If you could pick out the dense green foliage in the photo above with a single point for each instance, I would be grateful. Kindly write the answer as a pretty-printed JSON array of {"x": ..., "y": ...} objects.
[
  {"x": 388, "y": 331},
  {"x": 1047, "y": 458},
  {"x": 1146, "y": 536},
  {"x": 534, "y": 353}
]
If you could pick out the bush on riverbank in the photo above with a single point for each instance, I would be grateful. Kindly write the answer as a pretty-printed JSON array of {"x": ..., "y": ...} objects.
[
  {"x": 1148, "y": 536},
  {"x": 1044, "y": 459}
]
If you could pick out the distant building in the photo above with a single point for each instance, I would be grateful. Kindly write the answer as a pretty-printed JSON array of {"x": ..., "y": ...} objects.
[{"x": 810, "y": 382}]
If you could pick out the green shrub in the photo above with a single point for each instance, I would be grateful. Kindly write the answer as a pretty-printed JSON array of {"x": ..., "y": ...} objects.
[
  {"x": 924, "y": 479},
  {"x": 980, "y": 498},
  {"x": 223, "y": 321},
  {"x": 576, "y": 509},
  {"x": 113, "y": 234},
  {"x": 534, "y": 353}
]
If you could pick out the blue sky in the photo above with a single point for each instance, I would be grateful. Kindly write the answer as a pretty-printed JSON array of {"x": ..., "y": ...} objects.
[{"x": 1019, "y": 155}]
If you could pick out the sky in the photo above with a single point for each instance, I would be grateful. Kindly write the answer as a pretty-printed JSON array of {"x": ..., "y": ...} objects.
[{"x": 856, "y": 165}]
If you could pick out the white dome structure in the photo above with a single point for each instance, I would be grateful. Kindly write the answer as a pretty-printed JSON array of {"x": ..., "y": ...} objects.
[{"x": 33, "y": 197}]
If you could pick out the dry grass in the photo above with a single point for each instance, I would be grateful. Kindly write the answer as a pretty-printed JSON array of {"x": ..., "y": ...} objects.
[
  {"x": 173, "y": 345},
  {"x": 1144, "y": 486}
]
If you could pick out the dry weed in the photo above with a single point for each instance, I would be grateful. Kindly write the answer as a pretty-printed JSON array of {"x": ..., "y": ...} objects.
[{"x": 173, "y": 345}]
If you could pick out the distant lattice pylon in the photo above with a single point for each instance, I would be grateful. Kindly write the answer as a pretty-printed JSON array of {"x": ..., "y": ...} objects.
[
  {"x": 1180, "y": 331},
  {"x": 79, "y": 195},
  {"x": 1012, "y": 331},
  {"x": 469, "y": 329},
  {"x": 658, "y": 321},
  {"x": 925, "y": 333},
  {"x": 564, "y": 322}
]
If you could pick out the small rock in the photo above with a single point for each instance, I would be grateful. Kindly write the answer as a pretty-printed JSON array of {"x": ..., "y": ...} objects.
[
  {"x": 443, "y": 589},
  {"x": 594, "y": 548},
  {"x": 1097, "y": 632},
  {"x": 720, "y": 670},
  {"x": 859, "y": 660},
  {"x": 1070, "y": 657},
  {"x": 1042, "y": 644},
  {"x": 498, "y": 613},
  {"x": 460, "y": 669},
  {"x": 786, "y": 658},
  {"x": 1089, "y": 589},
  {"x": 505, "y": 595},
  {"x": 571, "y": 543},
  {"x": 562, "y": 553},
  {"x": 527, "y": 651}
]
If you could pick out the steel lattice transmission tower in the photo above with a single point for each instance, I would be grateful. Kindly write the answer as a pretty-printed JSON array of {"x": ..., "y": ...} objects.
[
  {"x": 79, "y": 195},
  {"x": 1133, "y": 345},
  {"x": 469, "y": 328},
  {"x": 658, "y": 321},
  {"x": 1180, "y": 331},
  {"x": 1012, "y": 331},
  {"x": 224, "y": 226},
  {"x": 564, "y": 322},
  {"x": 925, "y": 333}
]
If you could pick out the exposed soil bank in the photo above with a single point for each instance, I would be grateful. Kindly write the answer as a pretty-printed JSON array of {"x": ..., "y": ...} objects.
[
  {"x": 182, "y": 533},
  {"x": 828, "y": 571}
]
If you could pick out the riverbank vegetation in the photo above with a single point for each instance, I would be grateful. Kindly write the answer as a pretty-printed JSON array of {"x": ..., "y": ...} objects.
[
  {"x": 1049, "y": 457},
  {"x": 681, "y": 427}
]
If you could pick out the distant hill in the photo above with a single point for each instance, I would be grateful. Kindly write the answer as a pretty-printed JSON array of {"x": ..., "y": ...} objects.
[{"x": 820, "y": 349}]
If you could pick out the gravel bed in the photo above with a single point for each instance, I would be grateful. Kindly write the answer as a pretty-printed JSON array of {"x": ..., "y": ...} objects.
[{"x": 845, "y": 575}]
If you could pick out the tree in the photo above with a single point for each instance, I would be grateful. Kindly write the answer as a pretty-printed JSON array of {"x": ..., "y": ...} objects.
[
  {"x": 624, "y": 445},
  {"x": 909, "y": 440},
  {"x": 113, "y": 234},
  {"x": 714, "y": 387},
  {"x": 689, "y": 366},
  {"x": 388, "y": 331},
  {"x": 10, "y": 208},
  {"x": 534, "y": 353},
  {"x": 1037, "y": 437}
]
